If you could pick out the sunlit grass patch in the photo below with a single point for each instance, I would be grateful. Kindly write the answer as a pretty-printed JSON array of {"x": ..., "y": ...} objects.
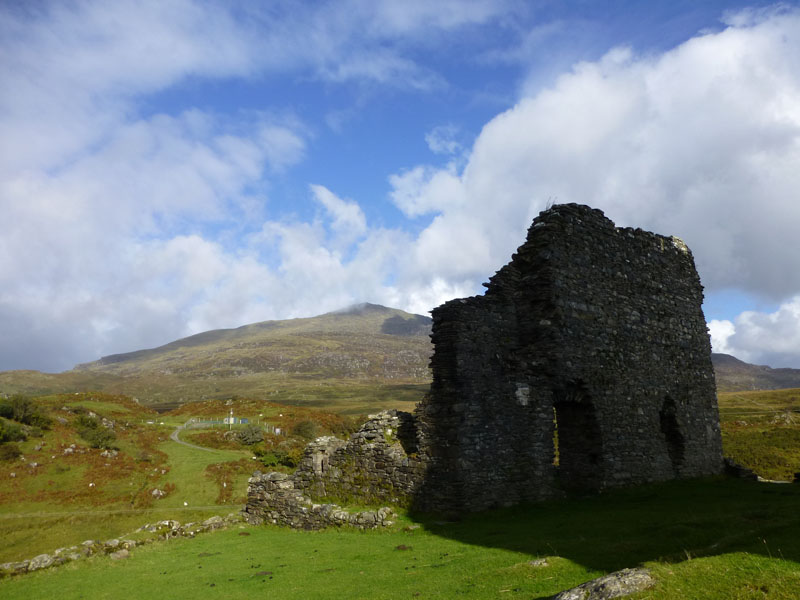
[{"x": 702, "y": 539}]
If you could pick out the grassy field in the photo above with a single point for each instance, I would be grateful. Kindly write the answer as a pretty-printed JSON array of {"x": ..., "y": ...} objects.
[
  {"x": 715, "y": 539},
  {"x": 702, "y": 539},
  {"x": 74, "y": 492},
  {"x": 761, "y": 430}
]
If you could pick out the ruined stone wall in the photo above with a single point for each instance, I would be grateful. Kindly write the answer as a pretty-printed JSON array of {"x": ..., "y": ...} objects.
[
  {"x": 377, "y": 464},
  {"x": 273, "y": 498},
  {"x": 592, "y": 329},
  {"x": 586, "y": 365}
]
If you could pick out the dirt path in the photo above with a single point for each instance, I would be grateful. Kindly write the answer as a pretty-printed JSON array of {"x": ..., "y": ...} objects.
[{"x": 174, "y": 437}]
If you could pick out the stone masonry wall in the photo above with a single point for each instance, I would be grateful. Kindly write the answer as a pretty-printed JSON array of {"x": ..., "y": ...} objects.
[
  {"x": 586, "y": 365},
  {"x": 378, "y": 464},
  {"x": 593, "y": 330}
]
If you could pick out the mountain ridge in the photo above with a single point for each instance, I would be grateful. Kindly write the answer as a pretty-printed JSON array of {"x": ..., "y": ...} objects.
[
  {"x": 357, "y": 359},
  {"x": 735, "y": 375},
  {"x": 243, "y": 332}
]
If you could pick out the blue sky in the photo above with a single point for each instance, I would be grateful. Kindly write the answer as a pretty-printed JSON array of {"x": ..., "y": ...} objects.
[{"x": 172, "y": 167}]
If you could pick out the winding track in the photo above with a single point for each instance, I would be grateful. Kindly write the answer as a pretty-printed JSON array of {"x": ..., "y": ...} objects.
[{"x": 174, "y": 437}]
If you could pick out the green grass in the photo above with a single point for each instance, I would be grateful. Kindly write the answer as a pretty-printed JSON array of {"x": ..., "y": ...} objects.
[
  {"x": 106, "y": 408},
  {"x": 702, "y": 539},
  {"x": 726, "y": 577},
  {"x": 716, "y": 539},
  {"x": 187, "y": 473},
  {"x": 56, "y": 496},
  {"x": 31, "y": 529},
  {"x": 761, "y": 430}
]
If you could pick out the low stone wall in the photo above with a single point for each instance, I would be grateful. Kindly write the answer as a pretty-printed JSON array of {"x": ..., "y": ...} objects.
[
  {"x": 117, "y": 548},
  {"x": 273, "y": 498},
  {"x": 377, "y": 464}
]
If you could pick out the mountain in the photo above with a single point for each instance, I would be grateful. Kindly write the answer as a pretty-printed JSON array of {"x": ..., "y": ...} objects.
[
  {"x": 365, "y": 340},
  {"x": 356, "y": 360},
  {"x": 361, "y": 358},
  {"x": 734, "y": 375}
]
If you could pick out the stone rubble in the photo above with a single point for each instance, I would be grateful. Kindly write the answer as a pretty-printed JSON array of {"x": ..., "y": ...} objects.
[{"x": 117, "y": 548}]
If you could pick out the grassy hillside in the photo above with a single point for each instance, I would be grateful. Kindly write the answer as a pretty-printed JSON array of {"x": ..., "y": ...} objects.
[
  {"x": 62, "y": 485},
  {"x": 354, "y": 361},
  {"x": 761, "y": 430},
  {"x": 733, "y": 375}
]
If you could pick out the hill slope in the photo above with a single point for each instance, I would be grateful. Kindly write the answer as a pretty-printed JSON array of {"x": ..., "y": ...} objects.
[
  {"x": 364, "y": 341},
  {"x": 358, "y": 359},
  {"x": 355, "y": 360},
  {"x": 734, "y": 375}
]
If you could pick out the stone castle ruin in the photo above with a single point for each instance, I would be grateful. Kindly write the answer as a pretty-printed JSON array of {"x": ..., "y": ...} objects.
[{"x": 586, "y": 365}]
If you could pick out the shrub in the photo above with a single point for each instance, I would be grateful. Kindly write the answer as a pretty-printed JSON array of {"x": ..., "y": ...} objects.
[
  {"x": 348, "y": 425},
  {"x": 279, "y": 457},
  {"x": 293, "y": 457},
  {"x": 305, "y": 429},
  {"x": 11, "y": 432},
  {"x": 9, "y": 451},
  {"x": 99, "y": 438},
  {"x": 40, "y": 420},
  {"x": 87, "y": 422},
  {"x": 270, "y": 459},
  {"x": 90, "y": 429},
  {"x": 24, "y": 410},
  {"x": 250, "y": 434},
  {"x": 35, "y": 431}
]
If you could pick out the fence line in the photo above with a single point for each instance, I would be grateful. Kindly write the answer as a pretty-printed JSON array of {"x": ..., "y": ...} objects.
[{"x": 195, "y": 423}]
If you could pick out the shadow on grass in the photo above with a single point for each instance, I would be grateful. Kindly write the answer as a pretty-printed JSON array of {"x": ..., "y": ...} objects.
[{"x": 669, "y": 522}]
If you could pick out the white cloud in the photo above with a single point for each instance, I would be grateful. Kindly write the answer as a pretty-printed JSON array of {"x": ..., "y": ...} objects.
[
  {"x": 415, "y": 16},
  {"x": 423, "y": 190},
  {"x": 442, "y": 139},
  {"x": 123, "y": 220},
  {"x": 75, "y": 69},
  {"x": 702, "y": 142},
  {"x": 761, "y": 338},
  {"x": 349, "y": 222},
  {"x": 721, "y": 331}
]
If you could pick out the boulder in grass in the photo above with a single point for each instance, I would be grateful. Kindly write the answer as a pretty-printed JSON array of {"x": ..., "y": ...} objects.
[{"x": 614, "y": 585}]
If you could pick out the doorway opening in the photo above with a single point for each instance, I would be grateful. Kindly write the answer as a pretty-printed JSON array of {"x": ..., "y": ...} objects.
[
  {"x": 676, "y": 444},
  {"x": 577, "y": 442}
]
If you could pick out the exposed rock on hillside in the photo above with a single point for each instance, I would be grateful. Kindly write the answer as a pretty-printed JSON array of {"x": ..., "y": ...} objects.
[{"x": 734, "y": 375}]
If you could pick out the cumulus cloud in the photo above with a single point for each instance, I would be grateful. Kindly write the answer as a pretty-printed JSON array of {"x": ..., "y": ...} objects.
[
  {"x": 443, "y": 139},
  {"x": 762, "y": 338},
  {"x": 423, "y": 190},
  {"x": 721, "y": 331},
  {"x": 74, "y": 68},
  {"x": 132, "y": 228},
  {"x": 702, "y": 142},
  {"x": 349, "y": 222},
  {"x": 126, "y": 221}
]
